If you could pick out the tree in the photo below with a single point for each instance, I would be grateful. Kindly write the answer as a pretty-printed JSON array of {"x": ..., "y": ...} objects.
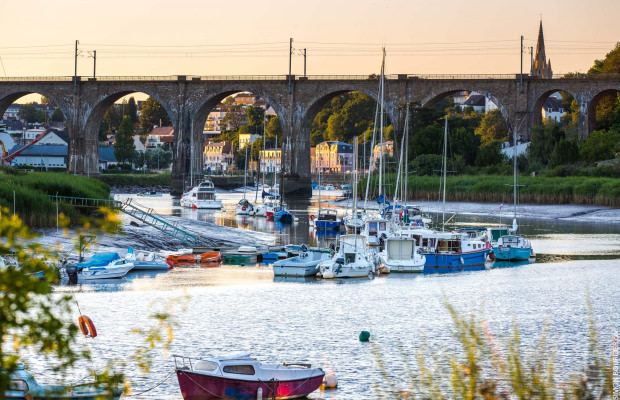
[
  {"x": 492, "y": 128},
  {"x": 543, "y": 140},
  {"x": 57, "y": 115},
  {"x": 30, "y": 114},
  {"x": 45, "y": 100},
  {"x": 124, "y": 147},
  {"x": 489, "y": 154},
  {"x": 153, "y": 113},
  {"x": 234, "y": 118},
  {"x": 132, "y": 110},
  {"x": 228, "y": 100},
  {"x": 158, "y": 158},
  {"x": 611, "y": 103},
  {"x": 273, "y": 129},
  {"x": 565, "y": 151},
  {"x": 601, "y": 145},
  {"x": 111, "y": 120}
]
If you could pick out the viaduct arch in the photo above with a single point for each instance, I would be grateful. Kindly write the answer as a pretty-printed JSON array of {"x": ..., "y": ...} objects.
[{"x": 188, "y": 100}]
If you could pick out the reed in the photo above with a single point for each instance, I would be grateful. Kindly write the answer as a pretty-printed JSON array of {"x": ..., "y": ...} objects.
[
  {"x": 31, "y": 192},
  {"x": 497, "y": 188},
  {"x": 140, "y": 180},
  {"x": 485, "y": 365}
]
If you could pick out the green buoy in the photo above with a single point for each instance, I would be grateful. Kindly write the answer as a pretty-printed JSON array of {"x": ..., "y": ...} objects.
[{"x": 364, "y": 336}]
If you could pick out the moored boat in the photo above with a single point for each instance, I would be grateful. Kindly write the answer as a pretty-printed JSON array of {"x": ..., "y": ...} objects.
[
  {"x": 512, "y": 248},
  {"x": 115, "y": 269},
  {"x": 22, "y": 386},
  {"x": 201, "y": 196},
  {"x": 401, "y": 255},
  {"x": 305, "y": 264},
  {"x": 239, "y": 376},
  {"x": 146, "y": 261},
  {"x": 327, "y": 219},
  {"x": 350, "y": 261}
]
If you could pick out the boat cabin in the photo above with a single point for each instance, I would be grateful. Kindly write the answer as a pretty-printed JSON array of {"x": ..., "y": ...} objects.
[
  {"x": 328, "y": 215},
  {"x": 493, "y": 234},
  {"x": 512, "y": 241}
]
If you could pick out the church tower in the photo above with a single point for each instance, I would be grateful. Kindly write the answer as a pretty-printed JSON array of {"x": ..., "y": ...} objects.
[{"x": 541, "y": 67}]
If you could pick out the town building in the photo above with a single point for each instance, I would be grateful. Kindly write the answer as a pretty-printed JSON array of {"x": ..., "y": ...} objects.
[
  {"x": 32, "y": 134},
  {"x": 217, "y": 157},
  {"x": 53, "y": 137},
  {"x": 14, "y": 127},
  {"x": 246, "y": 139},
  {"x": 245, "y": 99},
  {"x": 541, "y": 67},
  {"x": 160, "y": 136},
  {"x": 12, "y": 111},
  {"x": 333, "y": 157},
  {"x": 106, "y": 158},
  {"x": 386, "y": 148},
  {"x": 552, "y": 109},
  {"x": 270, "y": 160},
  {"x": 41, "y": 156}
]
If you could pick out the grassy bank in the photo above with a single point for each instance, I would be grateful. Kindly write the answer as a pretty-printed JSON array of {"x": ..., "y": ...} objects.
[
  {"x": 31, "y": 191},
  {"x": 136, "y": 179},
  {"x": 498, "y": 189}
]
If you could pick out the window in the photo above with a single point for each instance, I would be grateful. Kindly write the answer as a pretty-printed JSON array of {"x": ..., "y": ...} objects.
[{"x": 239, "y": 369}]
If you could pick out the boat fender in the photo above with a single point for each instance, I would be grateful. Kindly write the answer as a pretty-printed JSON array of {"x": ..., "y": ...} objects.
[
  {"x": 330, "y": 381},
  {"x": 170, "y": 263},
  {"x": 87, "y": 326},
  {"x": 462, "y": 261},
  {"x": 491, "y": 256},
  {"x": 28, "y": 396},
  {"x": 194, "y": 206},
  {"x": 259, "y": 394}
]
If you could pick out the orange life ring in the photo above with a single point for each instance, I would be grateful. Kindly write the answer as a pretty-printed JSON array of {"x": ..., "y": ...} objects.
[{"x": 87, "y": 326}]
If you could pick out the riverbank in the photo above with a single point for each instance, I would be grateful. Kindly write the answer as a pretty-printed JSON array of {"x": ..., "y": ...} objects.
[
  {"x": 498, "y": 189},
  {"x": 137, "y": 180},
  {"x": 28, "y": 195}
]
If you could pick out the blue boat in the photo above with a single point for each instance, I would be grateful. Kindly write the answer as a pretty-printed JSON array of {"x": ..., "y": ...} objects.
[
  {"x": 327, "y": 219},
  {"x": 23, "y": 386},
  {"x": 450, "y": 251},
  {"x": 98, "y": 260},
  {"x": 512, "y": 248},
  {"x": 283, "y": 215}
]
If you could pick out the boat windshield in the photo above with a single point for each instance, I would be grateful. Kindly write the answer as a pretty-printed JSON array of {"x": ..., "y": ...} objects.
[
  {"x": 19, "y": 385},
  {"x": 239, "y": 369}
]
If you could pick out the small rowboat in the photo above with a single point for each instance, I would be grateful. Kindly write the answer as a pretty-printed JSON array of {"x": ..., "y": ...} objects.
[
  {"x": 210, "y": 256},
  {"x": 183, "y": 259}
]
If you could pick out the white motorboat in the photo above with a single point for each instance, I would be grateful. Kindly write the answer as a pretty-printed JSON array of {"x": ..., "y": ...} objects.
[
  {"x": 305, "y": 264},
  {"x": 354, "y": 222},
  {"x": 201, "y": 196},
  {"x": 115, "y": 269},
  {"x": 146, "y": 261},
  {"x": 401, "y": 255},
  {"x": 375, "y": 230},
  {"x": 268, "y": 207},
  {"x": 350, "y": 261},
  {"x": 244, "y": 207}
]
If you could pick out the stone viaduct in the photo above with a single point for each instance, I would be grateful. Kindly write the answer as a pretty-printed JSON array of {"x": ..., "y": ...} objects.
[{"x": 189, "y": 99}]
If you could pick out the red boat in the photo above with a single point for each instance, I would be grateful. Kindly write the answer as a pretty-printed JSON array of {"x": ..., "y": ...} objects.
[{"x": 239, "y": 376}]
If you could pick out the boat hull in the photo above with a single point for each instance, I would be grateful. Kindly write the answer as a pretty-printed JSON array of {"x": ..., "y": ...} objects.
[
  {"x": 150, "y": 266},
  {"x": 326, "y": 224},
  {"x": 440, "y": 263},
  {"x": 511, "y": 253},
  {"x": 196, "y": 386}
]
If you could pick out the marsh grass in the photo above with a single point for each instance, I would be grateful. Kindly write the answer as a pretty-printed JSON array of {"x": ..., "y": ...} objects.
[
  {"x": 32, "y": 191},
  {"x": 485, "y": 366},
  {"x": 498, "y": 188}
]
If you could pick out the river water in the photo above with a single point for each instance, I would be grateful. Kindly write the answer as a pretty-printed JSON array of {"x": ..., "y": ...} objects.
[{"x": 234, "y": 308}]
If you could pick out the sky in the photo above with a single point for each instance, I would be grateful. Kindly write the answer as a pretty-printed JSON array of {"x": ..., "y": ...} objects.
[{"x": 205, "y": 37}]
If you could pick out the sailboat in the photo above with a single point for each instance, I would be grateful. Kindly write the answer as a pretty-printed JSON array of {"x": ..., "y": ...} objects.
[
  {"x": 375, "y": 228},
  {"x": 283, "y": 214},
  {"x": 352, "y": 259},
  {"x": 326, "y": 219},
  {"x": 449, "y": 251},
  {"x": 513, "y": 247},
  {"x": 244, "y": 207}
]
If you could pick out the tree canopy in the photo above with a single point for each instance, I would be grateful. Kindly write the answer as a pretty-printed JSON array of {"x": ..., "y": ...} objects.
[
  {"x": 492, "y": 128},
  {"x": 57, "y": 115},
  {"x": 124, "y": 147},
  {"x": 30, "y": 114},
  {"x": 152, "y": 114}
]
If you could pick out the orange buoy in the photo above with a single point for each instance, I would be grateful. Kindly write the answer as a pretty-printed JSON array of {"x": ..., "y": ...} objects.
[{"x": 87, "y": 326}]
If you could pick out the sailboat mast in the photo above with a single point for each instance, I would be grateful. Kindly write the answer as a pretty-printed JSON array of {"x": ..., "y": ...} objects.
[
  {"x": 355, "y": 141},
  {"x": 445, "y": 170},
  {"x": 381, "y": 126},
  {"x": 245, "y": 171},
  {"x": 514, "y": 162},
  {"x": 406, "y": 155},
  {"x": 372, "y": 147},
  {"x": 319, "y": 155}
]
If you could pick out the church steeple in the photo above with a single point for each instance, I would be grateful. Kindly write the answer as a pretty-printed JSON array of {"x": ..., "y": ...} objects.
[{"x": 541, "y": 68}]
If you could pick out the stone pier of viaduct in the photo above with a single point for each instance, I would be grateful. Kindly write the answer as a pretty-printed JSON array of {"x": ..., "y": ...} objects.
[{"x": 188, "y": 101}]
